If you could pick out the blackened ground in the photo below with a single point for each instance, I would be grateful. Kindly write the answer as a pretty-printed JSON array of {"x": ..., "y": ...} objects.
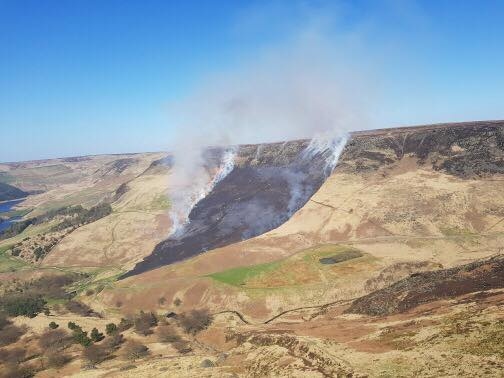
[
  {"x": 257, "y": 196},
  {"x": 465, "y": 149},
  {"x": 426, "y": 287}
]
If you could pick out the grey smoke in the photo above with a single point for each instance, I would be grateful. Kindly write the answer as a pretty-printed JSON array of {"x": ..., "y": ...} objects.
[{"x": 307, "y": 87}]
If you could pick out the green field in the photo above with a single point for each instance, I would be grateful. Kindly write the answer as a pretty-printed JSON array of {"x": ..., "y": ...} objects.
[
  {"x": 8, "y": 263},
  {"x": 238, "y": 276},
  {"x": 306, "y": 260}
]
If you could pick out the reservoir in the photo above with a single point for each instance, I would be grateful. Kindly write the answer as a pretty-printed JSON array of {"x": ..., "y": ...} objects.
[{"x": 4, "y": 208}]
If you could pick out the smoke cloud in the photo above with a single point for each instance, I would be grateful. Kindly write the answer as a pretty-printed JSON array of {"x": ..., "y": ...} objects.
[{"x": 309, "y": 86}]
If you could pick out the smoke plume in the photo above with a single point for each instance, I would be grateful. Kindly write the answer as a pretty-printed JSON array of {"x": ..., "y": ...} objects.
[{"x": 310, "y": 86}]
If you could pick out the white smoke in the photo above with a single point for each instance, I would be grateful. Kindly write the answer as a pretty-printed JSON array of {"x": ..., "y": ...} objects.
[
  {"x": 191, "y": 190},
  {"x": 331, "y": 146},
  {"x": 308, "y": 85}
]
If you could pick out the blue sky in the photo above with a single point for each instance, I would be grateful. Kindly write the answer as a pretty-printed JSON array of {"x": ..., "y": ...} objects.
[{"x": 86, "y": 77}]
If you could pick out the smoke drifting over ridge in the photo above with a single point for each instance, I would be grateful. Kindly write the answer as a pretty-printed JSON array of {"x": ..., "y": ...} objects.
[{"x": 306, "y": 88}]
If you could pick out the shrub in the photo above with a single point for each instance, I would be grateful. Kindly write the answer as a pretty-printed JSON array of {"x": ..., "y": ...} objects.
[
  {"x": 182, "y": 346},
  {"x": 112, "y": 342},
  {"x": 23, "y": 305},
  {"x": 56, "y": 359},
  {"x": 10, "y": 334},
  {"x": 195, "y": 321},
  {"x": 53, "y": 325},
  {"x": 94, "y": 354},
  {"x": 144, "y": 322},
  {"x": 79, "y": 308},
  {"x": 110, "y": 328},
  {"x": 12, "y": 356},
  {"x": 57, "y": 339},
  {"x": 124, "y": 324},
  {"x": 19, "y": 371},
  {"x": 177, "y": 302},
  {"x": 167, "y": 334},
  {"x": 96, "y": 335},
  {"x": 134, "y": 350},
  {"x": 4, "y": 321},
  {"x": 89, "y": 292}
]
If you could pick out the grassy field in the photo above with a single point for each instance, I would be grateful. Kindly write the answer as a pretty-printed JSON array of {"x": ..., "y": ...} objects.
[
  {"x": 239, "y": 276},
  {"x": 301, "y": 268},
  {"x": 8, "y": 263}
]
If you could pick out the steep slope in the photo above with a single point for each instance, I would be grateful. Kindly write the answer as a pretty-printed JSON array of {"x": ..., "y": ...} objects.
[
  {"x": 395, "y": 200},
  {"x": 9, "y": 192},
  {"x": 267, "y": 185}
]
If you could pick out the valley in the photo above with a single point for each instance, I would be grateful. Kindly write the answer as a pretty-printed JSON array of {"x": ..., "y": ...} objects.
[{"x": 390, "y": 264}]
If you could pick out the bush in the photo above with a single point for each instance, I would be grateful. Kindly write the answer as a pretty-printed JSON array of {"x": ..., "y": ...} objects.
[
  {"x": 56, "y": 359},
  {"x": 144, "y": 322},
  {"x": 10, "y": 334},
  {"x": 73, "y": 326},
  {"x": 113, "y": 342},
  {"x": 134, "y": 350},
  {"x": 23, "y": 305},
  {"x": 12, "y": 356},
  {"x": 53, "y": 325},
  {"x": 19, "y": 371},
  {"x": 110, "y": 328},
  {"x": 96, "y": 335},
  {"x": 182, "y": 346},
  {"x": 167, "y": 334},
  {"x": 4, "y": 321},
  {"x": 124, "y": 324},
  {"x": 57, "y": 339},
  {"x": 79, "y": 308},
  {"x": 94, "y": 354},
  {"x": 177, "y": 302},
  {"x": 195, "y": 321}
]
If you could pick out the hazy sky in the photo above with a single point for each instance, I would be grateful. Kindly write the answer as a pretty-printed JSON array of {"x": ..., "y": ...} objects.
[{"x": 87, "y": 77}]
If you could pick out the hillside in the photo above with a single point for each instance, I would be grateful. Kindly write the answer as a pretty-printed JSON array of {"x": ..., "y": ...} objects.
[
  {"x": 9, "y": 192},
  {"x": 391, "y": 265}
]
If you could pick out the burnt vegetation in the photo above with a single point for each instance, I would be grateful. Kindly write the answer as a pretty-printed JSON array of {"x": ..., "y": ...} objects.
[{"x": 425, "y": 287}]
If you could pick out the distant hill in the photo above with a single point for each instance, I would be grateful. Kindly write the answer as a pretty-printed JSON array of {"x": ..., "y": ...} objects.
[{"x": 9, "y": 192}]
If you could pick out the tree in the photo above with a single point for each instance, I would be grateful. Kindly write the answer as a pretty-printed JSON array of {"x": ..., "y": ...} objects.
[
  {"x": 110, "y": 328},
  {"x": 195, "y": 321},
  {"x": 73, "y": 326},
  {"x": 144, "y": 322},
  {"x": 53, "y": 325},
  {"x": 81, "y": 338},
  {"x": 96, "y": 335},
  {"x": 23, "y": 305}
]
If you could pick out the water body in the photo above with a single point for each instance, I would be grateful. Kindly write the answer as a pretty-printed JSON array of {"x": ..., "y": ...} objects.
[{"x": 5, "y": 207}]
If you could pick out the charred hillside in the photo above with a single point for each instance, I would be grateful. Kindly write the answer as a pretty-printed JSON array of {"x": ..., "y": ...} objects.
[
  {"x": 272, "y": 181},
  {"x": 267, "y": 185}
]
